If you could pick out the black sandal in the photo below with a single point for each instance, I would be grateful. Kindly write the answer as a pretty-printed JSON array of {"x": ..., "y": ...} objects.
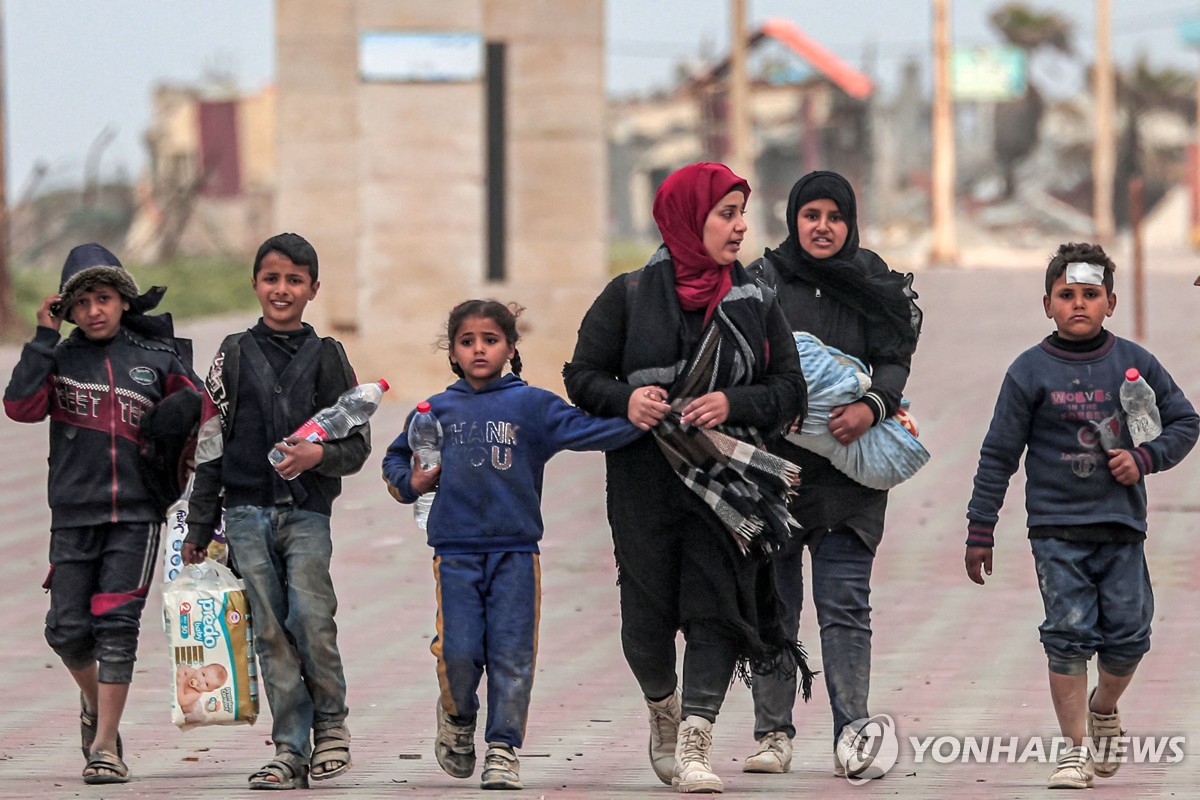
[
  {"x": 287, "y": 770},
  {"x": 87, "y": 731},
  {"x": 106, "y": 768},
  {"x": 330, "y": 746}
]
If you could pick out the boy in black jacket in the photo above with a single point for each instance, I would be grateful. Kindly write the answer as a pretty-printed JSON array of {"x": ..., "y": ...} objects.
[
  {"x": 277, "y": 520},
  {"x": 96, "y": 386}
]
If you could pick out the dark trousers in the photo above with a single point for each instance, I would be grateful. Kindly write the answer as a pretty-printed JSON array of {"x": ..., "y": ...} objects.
[
  {"x": 665, "y": 575},
  {"x": 488, "y": 606},
  {"x": 98, "y": 581},
  {"x": 841, "y": 592}
]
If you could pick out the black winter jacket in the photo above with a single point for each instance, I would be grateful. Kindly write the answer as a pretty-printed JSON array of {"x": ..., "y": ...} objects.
[
  {"x": 225, "y": 467},
  {"x": 95, "y": 394}
]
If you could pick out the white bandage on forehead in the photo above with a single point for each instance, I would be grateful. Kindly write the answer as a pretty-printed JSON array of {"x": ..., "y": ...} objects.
[{"x": 1083, "y": 272}]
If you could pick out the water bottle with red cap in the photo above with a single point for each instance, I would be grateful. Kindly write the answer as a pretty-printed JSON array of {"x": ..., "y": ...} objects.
[
  {"x": 353, "y": 408},
  {"x": 425, "y": 440},
  {"x": 1141, "y": 408}
]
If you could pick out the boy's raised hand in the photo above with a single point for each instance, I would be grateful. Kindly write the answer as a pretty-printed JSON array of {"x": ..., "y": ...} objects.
[
  {"x": 46, "y": 316},
  {"x": 1123, "y": 467},
  {"x": 978, "y": 561}
]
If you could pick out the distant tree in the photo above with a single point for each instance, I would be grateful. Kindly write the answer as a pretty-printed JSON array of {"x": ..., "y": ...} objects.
[
  {"x": 1142, "y": 89},
  {"x": 1017, "y": 121}
]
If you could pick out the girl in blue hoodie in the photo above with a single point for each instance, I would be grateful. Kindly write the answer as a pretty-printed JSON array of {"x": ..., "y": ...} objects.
[{"x": 484, "y": 528}]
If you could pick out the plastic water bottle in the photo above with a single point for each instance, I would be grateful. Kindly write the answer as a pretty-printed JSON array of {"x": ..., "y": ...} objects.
[
  {"x": 353, "y": 408},
  {"x": 1141, "y": 409},
  {"x": 425, "y": 440}
]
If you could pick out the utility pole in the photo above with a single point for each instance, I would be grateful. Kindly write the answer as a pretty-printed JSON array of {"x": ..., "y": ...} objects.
[
  {"x": 740, "y": 137},
  {"x": 944, "y": 250},
  {"x": 1104, "y": 151},
  {"x": 8, "y": 321}
]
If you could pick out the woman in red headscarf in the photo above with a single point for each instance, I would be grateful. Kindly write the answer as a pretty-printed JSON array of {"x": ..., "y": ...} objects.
[{"x": 691, "y": 348}]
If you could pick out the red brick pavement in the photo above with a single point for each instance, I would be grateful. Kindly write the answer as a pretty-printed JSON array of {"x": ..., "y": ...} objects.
[{"x": 951, "y": 659}]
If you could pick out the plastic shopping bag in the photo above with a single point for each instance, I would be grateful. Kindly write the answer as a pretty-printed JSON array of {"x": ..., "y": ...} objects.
[
  {"x": 214, "y": 678},
  {"x": 887, "y": 454},
  {"x": 176, "y": 530}
]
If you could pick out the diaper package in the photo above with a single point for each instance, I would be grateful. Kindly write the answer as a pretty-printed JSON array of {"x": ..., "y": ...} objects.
[{"x": 214, "y": 677}]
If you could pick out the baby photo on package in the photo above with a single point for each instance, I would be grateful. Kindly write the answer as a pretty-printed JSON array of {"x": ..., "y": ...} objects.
[{"x": 206, "y": 617}]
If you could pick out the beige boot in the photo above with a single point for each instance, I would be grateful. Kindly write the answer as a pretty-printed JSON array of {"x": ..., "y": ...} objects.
[
  {"x": 774, "y": 754},
  {"x": 664, "y": 729},
  {"x": 693, "y": 774}
]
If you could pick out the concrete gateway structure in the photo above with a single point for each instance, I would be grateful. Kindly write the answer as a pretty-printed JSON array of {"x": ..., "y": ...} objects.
[{"x": 434, "y": 152}]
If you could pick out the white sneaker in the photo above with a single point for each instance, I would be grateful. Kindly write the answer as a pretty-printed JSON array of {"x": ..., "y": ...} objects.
[
  {"x": 1074, "y": 771},
  {"x": 1103, "y": 729},
  {"x": 501, "y": 768},
  {"x": 454, "y": 746},
  {"x": 693, "y": 773},
  {"x": 849, "y": 757},
  {"x": 664, "y": 730},
  {"x": 774, "y": 754}
]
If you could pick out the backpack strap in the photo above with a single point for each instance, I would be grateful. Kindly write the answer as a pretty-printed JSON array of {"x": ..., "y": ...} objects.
[{"x": 765, "y": 275}]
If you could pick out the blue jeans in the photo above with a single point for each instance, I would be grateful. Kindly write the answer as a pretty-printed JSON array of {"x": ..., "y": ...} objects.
[
  {"x": 488, "y": 606},
  {"x": 283, "y": 555},
  {"x": 1097, "y": 599},
  {"x": 841, "y": 592}
]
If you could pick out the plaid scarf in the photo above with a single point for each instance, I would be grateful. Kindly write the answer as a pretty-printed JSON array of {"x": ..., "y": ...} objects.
[{"x": 728, "y": 467}]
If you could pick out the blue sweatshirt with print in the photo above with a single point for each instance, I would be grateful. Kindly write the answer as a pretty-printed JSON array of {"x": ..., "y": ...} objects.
[
  {"x": 1063, "y": 408},
  {"x": 496, "y": 442}
]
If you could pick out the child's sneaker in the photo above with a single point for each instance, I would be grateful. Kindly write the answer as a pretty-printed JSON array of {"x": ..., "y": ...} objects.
[
  {"x": 774, "y": 754},
  {"x": 501, "y": 768},
  {"x": 664, "y": 730},
  {"x": 1102, "y": 731},
  {"x": 1074, "y": 771},
  {"x": 850, "y": 756},
  {"x": 454, "y": 745}
]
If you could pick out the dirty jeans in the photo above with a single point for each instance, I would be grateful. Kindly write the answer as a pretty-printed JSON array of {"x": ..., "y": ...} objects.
[
  {"x": 487, "y": 617},
  {"x": 1098, "y": 599},
  {"x": 283, "y": 555},
  {"x": 841, "y": 592}
]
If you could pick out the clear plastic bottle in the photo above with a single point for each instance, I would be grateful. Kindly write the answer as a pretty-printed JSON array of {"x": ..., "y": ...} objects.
[
  {"x": 1141, "y": 408},
  {"x": 353, "y": 408},
  {"x": 425, "y": 440}
]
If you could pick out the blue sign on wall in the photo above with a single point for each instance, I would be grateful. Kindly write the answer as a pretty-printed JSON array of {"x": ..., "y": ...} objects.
[
  {"x": 409, "y": 56},
  {"x": 987, "y": 74}
]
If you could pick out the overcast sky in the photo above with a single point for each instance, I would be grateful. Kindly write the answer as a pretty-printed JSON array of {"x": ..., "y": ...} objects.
[{"x": 76, "y": 68}]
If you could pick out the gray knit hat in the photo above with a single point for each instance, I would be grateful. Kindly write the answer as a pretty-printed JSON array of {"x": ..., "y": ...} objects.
[{"x": 88, "y": 266}]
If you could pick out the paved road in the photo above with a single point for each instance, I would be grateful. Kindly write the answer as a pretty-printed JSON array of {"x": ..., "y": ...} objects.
[{"x": 951, "y": 659}]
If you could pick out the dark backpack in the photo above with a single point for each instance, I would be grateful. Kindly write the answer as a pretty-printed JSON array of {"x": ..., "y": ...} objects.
[{"x": 168, "y": 431}]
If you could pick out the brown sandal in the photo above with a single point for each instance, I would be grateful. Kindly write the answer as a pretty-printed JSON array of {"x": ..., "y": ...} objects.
[{"x": 106, "y": 768}]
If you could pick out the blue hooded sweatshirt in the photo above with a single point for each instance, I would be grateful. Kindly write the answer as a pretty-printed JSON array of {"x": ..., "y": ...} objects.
[{"x": 496, "y": 442}]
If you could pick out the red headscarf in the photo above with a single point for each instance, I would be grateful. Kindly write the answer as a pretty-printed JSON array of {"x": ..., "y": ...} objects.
[{"x": 681, "y": 207}]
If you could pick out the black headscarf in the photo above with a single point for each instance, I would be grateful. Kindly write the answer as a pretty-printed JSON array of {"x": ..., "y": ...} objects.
[{"x": 854, "y": 276}]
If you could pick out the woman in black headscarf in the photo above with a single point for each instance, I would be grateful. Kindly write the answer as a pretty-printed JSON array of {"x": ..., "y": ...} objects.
[{"x": 847, "y": 297}]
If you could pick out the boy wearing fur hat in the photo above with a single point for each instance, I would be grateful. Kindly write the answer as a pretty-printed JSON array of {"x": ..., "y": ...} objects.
[{"x": 95, "y": 386}]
